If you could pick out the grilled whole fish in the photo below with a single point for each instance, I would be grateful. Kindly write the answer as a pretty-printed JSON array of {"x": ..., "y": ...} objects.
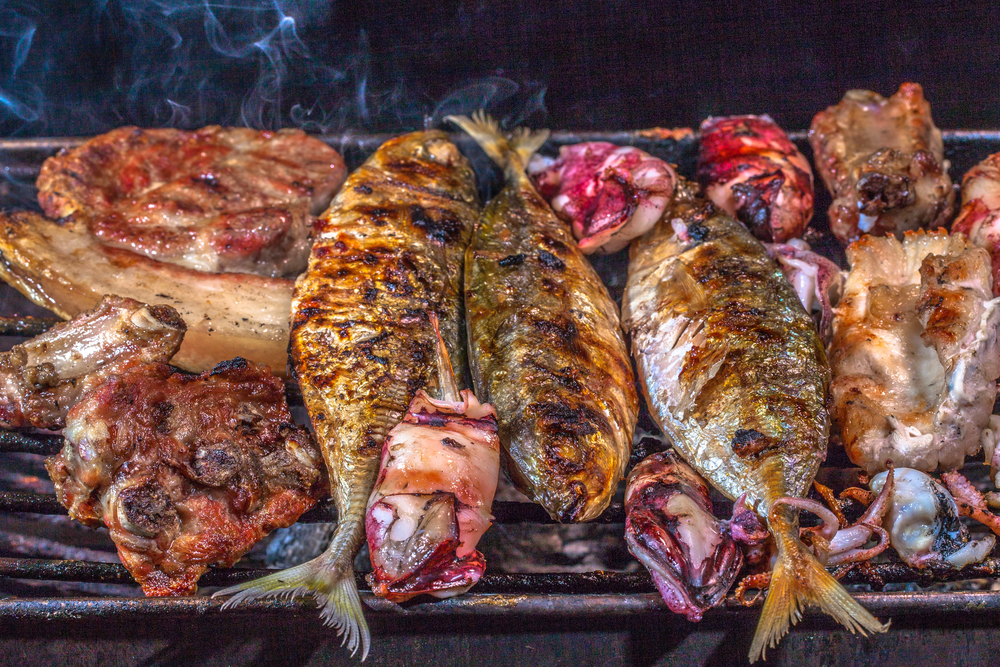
[
  {"x": 545, "y": 345},
  {"x": 389, "y": 251},
  {"x": 734, "y": 372}
]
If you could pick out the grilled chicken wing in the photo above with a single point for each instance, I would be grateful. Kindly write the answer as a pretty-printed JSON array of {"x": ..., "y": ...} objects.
[
  {"x": 914, "y": 352},
  {"x": 186, "y": 471},
  {"x": 389, "y": 251},
  {"x": 41, "y": 379},
  {"x": 546, "y": 347},
  {"x": 883, "y": 162},
  {"x": 215, "y": 199}
]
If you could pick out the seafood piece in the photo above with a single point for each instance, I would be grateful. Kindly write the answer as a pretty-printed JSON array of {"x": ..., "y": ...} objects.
[
  {"x": 979, "y": 217},
  {"x": 735, "y": 374},
  {"x": 186, "y": 471},
  {"x": 669, "y": 526},
  {"x": 215, "y": 199},
  {"x": 914, "y": 353},
  {"x": 923, "y": 523},
  {"x": 750, "y": 169},
  {"x": 64, "y": 269},
  {"x": 608, "y": 194},
  {"x": 970, "y": 501},
  {"x": 545, "y": 344},
  {"x": 883, "y": 162},
  {"x": 818, "y": 281},
  {"x": 431, "y": 501},
  {"x": 41, "y": 379},
  {"x": 389, "y": 251}
]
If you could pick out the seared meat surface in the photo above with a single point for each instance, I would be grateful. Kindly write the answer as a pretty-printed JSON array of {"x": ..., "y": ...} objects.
[
  {"x": 914, "y": 356},
  {"x": 41, "y": 379},
  {"x": 186, "y": 471},
  {"x": 883, "y": 162},
  {"x": 216, "y": 199}
]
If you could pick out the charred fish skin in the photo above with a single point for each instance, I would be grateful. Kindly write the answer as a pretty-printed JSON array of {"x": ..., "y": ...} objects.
[
  {"x": 389, "y": 251},
  {"x": 734, "y": 372},
  {"x": 545, "y": 347}
]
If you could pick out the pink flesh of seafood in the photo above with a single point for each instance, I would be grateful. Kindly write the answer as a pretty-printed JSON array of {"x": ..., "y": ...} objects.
[
  {"x": 608, "y": 194},
  {"x": 669, "y": 527},
  {"x": 431, "y": 501},
  {"x": 750, "y": 169},
  {"x": 816, "y": 280},
  {"x": 979, "y": 218}
]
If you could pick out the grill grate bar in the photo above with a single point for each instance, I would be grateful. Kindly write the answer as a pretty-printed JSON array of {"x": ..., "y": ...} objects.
[
  {"x": 46, "y": 445},
  {"x": 25, "y": 325},
  {"x": 503, "y": 511}
]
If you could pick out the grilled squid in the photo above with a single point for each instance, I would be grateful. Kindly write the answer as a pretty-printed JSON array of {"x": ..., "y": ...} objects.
[
  {"x": 816, "y": 279},
  {"x": 882, "y": 159},
  {"x": 431, "y": 501},
  {"x": 915, "y": 356},
  {"x": 609, "y": 194},
  {"x": 923, "y": 523},
  {"x": 750, "y": 169},
  {"x": 692, "y": 557},
  {"x": 979, "y": 218}
]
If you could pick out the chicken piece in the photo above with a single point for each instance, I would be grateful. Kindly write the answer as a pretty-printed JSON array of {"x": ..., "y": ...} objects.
[
  {"x": 979, "y": 218},
  {"x": 923, "y": 523},
  {"x": 186, "y": 471},
  {"x": 41, "y": 379},
  {"x": 914, "y": 353},
  {"x": 750, "y": 169},
  {"x": 231, "y": 200},
  {"x": 608, "y": 194},
  {"x": 883, "y": 162}
]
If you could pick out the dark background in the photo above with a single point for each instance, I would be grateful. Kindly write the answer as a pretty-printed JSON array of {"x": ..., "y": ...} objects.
[{"x": 76, "y": 68}]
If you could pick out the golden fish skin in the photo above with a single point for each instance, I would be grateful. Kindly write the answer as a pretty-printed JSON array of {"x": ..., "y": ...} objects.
[
  {"x": 389, "y": 252},
  {"x": 735, "y": 373},
  {"x": 547, "y": 351}
]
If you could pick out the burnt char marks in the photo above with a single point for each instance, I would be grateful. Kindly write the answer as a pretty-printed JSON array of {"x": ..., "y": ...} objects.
[
  {"x": 550, "y": 261},
  {"x": 511, "y": 260},
  {"x": 148, "y": 509},
  {"x": 562, "y": 330},
  {"x": 561, "y": 419},
  {"x": 442, "y": 226},
  {"x": 234, "y": 364},
  {"x": 747, "y": 443}
]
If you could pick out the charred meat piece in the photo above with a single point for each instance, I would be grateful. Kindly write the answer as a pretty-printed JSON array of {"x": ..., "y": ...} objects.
[
  {"x": 608, "y": 194},
  {"x": 215, "y": 199},
  {"x": 669, "y": 527},
  {"x": 749, "y": 168},
  {"x": 735, "y": 374},
  {"x": 923, "y": 523},
  {"x": 979, "y": 218},
  {"x": 431, "y": 501},
  {"x": 41, "y": 379},
  {"x": 545, "y": 344},
  {"x": 883, "y": 162},
  {"x": 388, "y": 253},
  {"x": 186, "y": 471},
  {"x": 64, "y": 269},
  {"x": 914, "y": 353}
]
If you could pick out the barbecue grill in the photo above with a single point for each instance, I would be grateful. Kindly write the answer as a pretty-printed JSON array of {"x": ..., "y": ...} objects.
[{"x": 611, "y": 618}]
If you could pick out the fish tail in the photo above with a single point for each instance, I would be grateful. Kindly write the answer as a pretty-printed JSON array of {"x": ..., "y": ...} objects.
[
  {"x": 797, "y": 580},
  {"x": 330, "y": 578},
  {"x": 511, "y": 154}
]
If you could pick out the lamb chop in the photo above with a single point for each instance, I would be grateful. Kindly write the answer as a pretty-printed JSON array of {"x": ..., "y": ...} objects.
[
  {"x": 883, "y": 162},
  {"x": 215, "y": 199},
  {"x": 41, "y": 379},
  {"x": 186, "y": 471}
]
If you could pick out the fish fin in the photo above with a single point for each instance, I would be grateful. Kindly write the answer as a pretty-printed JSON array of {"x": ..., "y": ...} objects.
[
  {"x": 512, "y": 154},
  {"x": 333, "y": 585},
  {"x": 798, "y": 579}
]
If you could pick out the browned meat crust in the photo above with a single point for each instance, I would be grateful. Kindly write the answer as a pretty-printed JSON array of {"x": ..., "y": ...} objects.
[
  {"x": 186, "y": 471},
  {"x": 41, "y": 379},
  {"x": 216, "y": 199}
]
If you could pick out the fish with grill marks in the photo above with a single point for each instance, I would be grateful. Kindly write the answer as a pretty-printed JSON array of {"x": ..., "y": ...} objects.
[
  {"x": 735, "y": 373},
  {"x": 545, "y": 345},
  {"x": 388, "y": 254}
]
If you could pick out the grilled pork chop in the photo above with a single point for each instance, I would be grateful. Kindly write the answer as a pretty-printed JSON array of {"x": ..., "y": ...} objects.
[
  {"x": 217, "y": 199},
  {"x": 186, "y": 471}
]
